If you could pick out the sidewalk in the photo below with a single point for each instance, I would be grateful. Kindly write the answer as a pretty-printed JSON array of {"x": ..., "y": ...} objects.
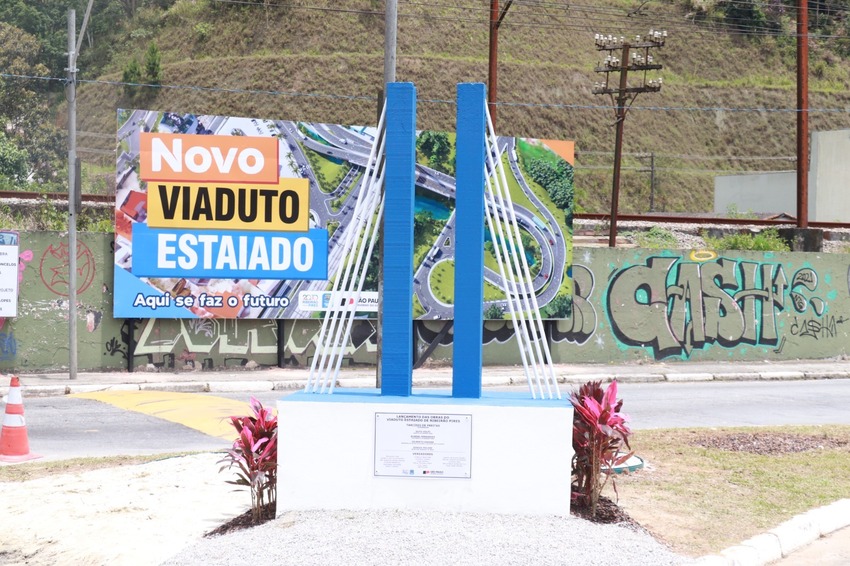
[{"x": 287, "y": 379}]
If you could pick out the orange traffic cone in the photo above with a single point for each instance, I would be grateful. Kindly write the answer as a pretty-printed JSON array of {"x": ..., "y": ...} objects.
[{"x": 14, "y": 444}]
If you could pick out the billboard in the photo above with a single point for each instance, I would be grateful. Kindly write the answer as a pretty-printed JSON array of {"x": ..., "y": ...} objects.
[{"x": 229, "y": 217}]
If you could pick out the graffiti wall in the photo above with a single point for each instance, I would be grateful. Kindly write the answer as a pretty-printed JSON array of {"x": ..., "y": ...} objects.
[
  {"x": 702, "y": 305},
  {"x": 627, "y": 305},
  {"x": 37, "y": 339}
]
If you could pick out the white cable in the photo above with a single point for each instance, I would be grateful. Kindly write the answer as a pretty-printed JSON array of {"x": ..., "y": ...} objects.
[
  {"x": 536, "y": 309},
  {"x": 354, "y": 272},
  {"x": 341, "y": 282},
  {"x": 337, "y": 343},
  {"x": 347, "y": 242},
  {"x": 515, "y": 280},
  {"x": 352, "y": 306},
  {"x": 366, "y": 205},
  {"x": 510, "y": 294}
]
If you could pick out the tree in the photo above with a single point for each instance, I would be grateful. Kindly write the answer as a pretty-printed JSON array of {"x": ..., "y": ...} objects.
[
  {"x": 132, "y": 75},
  {"x": 494, "y": 312},
  {"x": 25, "y": 113},
  {"x": 153, "y": 65},
  {"x": 559, "y": 307},
  {"x": 437, "y": 147},
  {"x": 13, "y": 164},
  {"x": 423, "y": 225}
]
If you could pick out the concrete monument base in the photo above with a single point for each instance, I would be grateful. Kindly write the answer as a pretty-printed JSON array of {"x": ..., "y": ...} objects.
[{"x": 357, "y": 449}]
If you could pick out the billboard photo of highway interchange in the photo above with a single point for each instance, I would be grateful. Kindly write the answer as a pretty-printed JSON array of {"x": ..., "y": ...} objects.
[{"x": 333, "y": 159}]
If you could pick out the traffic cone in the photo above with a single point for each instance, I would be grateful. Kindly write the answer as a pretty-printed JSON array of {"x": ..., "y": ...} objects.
[{"x": 14, "y": 443}]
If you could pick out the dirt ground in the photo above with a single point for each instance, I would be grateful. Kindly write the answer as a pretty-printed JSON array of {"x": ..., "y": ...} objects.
[
  {"x": 143, "y": 514},
  {"x": 140, "y": 514}
]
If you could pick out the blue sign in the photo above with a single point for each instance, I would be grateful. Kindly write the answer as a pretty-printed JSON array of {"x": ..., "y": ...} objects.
[{"x": 229, "y": 254}]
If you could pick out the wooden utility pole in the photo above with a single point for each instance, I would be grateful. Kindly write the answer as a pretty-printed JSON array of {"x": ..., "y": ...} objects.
[
  {"x": 496, "y": 18},
  {"x": 634, "y": 56}
]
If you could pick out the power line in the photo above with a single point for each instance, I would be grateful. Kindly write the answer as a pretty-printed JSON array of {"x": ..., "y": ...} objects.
[
  {"x": 372, "y": 99},
  {"x": 745, "y": 27}
]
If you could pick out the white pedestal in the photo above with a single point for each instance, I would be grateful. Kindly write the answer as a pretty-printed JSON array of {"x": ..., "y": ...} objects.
[{"x": 517, "y": 451}]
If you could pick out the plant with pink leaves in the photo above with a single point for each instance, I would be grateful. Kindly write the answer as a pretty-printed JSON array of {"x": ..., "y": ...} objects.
[
  {"x": 254, "y": 454},
  {"x": 599, "y": 434}
]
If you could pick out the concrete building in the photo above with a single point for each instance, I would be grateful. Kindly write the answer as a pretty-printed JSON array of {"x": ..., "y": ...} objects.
[{"x": 776, "y": 191}]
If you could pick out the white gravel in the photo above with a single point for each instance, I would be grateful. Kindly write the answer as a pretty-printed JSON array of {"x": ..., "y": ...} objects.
[{"x": 416, "y": 537}]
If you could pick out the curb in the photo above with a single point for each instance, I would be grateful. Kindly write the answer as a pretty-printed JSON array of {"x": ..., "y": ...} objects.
[
  {"x": 782, "y": 541},
  {"x": 272, "y": 384}
]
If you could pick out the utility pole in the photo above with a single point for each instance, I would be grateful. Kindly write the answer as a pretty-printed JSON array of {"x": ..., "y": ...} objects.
[
  {"x": 623, "y": 96},
  {"x": 390, "y": 44},
  {"x": 74, "y": 196},
  {"x": 802, "y": 114},
  {"x": 496, "y": 18},
  {"x": 390, "y": 41}
]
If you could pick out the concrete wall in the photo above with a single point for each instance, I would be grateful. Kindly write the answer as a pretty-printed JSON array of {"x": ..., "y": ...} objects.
[
  {"x": 830, "y": 176},
  {"x": 629, "y": 305},
  {"x": 771, "y": 192},
  {"x": 776, "y": 191}
]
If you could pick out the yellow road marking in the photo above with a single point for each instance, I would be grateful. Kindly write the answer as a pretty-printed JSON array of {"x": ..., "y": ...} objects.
[{"x": 204, "y": 413}]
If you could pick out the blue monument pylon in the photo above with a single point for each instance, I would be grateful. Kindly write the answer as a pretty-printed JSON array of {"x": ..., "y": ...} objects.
[
  {"x": 397, "y": 332},
  {"x": 399, "y": 190}
]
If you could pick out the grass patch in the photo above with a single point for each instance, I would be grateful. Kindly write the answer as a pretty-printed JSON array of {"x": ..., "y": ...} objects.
[
  {"x": 442, "y": 284},
  {"x": 442, "y": 281},
  {"x": 328, "y": 174},
  {"x": 657, "y": 238},
  {"x": 728, "y": 496},
  {"x": 767, "y": 240},
  {"x": 418, "y": 309}
]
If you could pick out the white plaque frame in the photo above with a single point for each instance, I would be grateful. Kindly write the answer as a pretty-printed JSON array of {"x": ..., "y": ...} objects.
[
  {"x": 9, "y": 260},
  {"x": 423, "y": 445}
]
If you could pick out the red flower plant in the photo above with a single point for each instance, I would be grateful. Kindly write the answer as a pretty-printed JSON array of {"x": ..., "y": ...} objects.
[
  {"x": 254, "y": 454},
  {"x": 599, "y": 433}
]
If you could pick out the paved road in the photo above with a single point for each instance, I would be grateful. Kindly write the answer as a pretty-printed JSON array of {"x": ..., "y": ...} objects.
[
  {"x": 68, "y": 426},
  {"x": 59, "y": 428}
]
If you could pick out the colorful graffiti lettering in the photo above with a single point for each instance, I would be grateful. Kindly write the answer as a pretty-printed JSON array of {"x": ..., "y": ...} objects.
[
  {"x": 582, "y": 324},
  {"x": 673, "y": 307}
]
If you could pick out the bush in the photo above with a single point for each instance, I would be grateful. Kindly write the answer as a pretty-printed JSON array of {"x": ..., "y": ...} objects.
[
  {"x": 657, "y": 238},
  {"x": 767, "y": 240},
  {"x": 254, "y": 454},
  {"x": 599, "y": 433}
]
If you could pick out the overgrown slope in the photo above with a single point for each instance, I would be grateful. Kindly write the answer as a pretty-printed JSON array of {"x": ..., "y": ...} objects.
[{"x": 324, "y": 62}]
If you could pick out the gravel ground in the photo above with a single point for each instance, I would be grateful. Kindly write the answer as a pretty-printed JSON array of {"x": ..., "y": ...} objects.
[{"x": 419, "y": 538}]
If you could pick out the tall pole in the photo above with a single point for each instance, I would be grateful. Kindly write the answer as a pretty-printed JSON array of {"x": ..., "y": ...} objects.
[
  {"x": 390, "y": 45},
  {"x": 496, "y": 17},
  {"x": 492, "y": 75},
  {"x": 390, "y": 40},
  {"x": 618, "y": 147},
  {"x": 802, "y": 114},
  {"x": 652, "y": 181},
  {"x": 71, "y": 89},
  {"x": 641, "y": 60}
]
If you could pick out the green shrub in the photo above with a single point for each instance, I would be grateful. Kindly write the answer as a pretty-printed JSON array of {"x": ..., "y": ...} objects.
[
  {"x": 767, "y": 240},
  {"x": 203, "y": 31},
  {"x": 657, "y": 238}
]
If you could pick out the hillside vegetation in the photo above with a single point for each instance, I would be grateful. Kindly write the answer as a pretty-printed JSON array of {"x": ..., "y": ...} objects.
[{"x": 323, "y": 61}]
